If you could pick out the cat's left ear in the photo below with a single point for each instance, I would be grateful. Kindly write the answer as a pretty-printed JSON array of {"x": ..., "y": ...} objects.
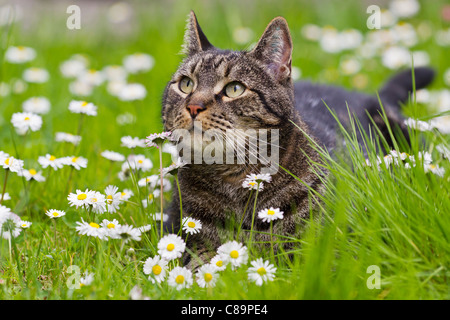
[
  {"x": 194, "y": 39},
  {"x": 275, "y": 49}
]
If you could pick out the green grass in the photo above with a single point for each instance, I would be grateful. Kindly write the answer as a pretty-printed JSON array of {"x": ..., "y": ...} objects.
[{"x": 396, "y": 219}]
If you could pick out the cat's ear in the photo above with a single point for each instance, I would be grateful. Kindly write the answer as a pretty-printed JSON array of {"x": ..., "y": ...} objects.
[
  {"x": 275, "y": 49},
  {"x": 194, "y": 39}
]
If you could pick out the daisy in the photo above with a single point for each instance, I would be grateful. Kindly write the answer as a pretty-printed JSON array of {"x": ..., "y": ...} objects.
[
  {"x": 150, "y": 180},
  {"x": 131, "y": 92},
  {"x": 418, "y": 124},
  {"x": 111, "y": 228},
  {"x": 180, "y": 278},
  {"x": 91, "y": 229},
  {"x": 6, "y": 196},
  {"x": 127, "y": 233},
  {"x": 84, "y": 107},
  {"x": 138, "y": 62},
  {"x": 115, "y": 87},
  {"x": 76, "y": 162},
  {"x": 132, "y": 143},
  {"x": 126, "y": 194},
  {"x": 157, "y": 216},
  {"x": 67, "y": 137},
  {"x": 80, "y": 198},
  {"x": 258, "y": 178},
  {"x": 81, "y": 89},
  {"x": 207, "y": 276},
  {"x": 252, "y": 185},
  {"x": 261, "y": 271},
  {"x": 87, "y": 279},
  {"x": 140, "y": 162},
  {"x": 149, "y": 200},
  {"x": 24, "y": 121},
  {"x": 156, "y": 268},
  {"x": 20, "y": 54},
  {"x": 11, "y": 163},
  {"x": 72, "y": 68},
  {"x": 112, "y": 156},
  {"x": 145, "y": 228},
  {"x": 219, "y": 263},
  {"x": 32, "y": 174},
  {"x": 10, "y": 225},
  {"x": 171, "y": 247},
  {"x": 268, "y": 215},
  {"x": 191, "y": 225},
  {"x": 53, "y": 213},
  {"x": 115, "y": 73},
  {"x": 25, "y": 224},
  {"x": 36, "y": 75},
  {"x": 98, "y": 202},
  {"x": 173, "y": 168},
  {"x": 234, "y": 253},
  {"x": 4, "y": 210},
  {"x": 426, "y": 156},
  {"x": 396, "y": 57},
  {"x": 50, "y": 160},
  {"x": 91, "y": 77},
  {"x": 157, "y": 139},
  {"x": 38, "y": 105},
  {"x": 434, "y": 169},
  {"x": 112, "y": 198}
]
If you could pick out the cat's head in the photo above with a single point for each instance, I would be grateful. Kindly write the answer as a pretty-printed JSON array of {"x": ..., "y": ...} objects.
[{"x": 227, "y": 89}]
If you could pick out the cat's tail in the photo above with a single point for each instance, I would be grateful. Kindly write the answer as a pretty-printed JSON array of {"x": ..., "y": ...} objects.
[{"x": 399, "y": 88}]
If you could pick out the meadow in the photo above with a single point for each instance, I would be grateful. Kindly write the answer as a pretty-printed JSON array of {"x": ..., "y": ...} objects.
[{"x": 381, "y": 230}]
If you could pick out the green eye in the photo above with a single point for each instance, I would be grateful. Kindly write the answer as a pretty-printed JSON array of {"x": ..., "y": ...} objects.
[
  {"x": 234, "y": 89},
  {"x": 186, "y": 85}
]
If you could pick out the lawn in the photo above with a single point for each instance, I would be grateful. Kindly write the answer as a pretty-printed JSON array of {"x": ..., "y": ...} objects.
[{"x": 380, "y": 232}]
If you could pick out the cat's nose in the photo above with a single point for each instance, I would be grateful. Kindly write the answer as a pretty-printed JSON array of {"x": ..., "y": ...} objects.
[{"x": 195, "y": 109}]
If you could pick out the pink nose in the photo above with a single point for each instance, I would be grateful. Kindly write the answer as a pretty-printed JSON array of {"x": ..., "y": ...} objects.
[{"x": 195, "y": 109}]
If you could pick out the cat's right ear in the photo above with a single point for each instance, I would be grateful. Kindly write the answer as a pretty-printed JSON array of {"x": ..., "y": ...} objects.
[{"x": 194, "y": 39}]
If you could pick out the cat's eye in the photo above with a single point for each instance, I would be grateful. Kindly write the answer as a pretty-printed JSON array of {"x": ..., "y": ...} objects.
[
  {"x": 186, "y": 85},
  {"x": 234, "y": 89}
]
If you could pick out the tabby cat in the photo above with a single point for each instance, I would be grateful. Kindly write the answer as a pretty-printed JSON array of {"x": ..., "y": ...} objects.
[{"x": 226, "y": 89}]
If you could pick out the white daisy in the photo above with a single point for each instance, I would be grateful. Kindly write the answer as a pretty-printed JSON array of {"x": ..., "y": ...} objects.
[
  {"x": 115, "y": 73},
  {"x": 157, "y": 139},
  {"x": 53, "y": 213},
  {"x": 32, "y": 174},
  {"x": 261, "y": 271},
  {"x": 9, "y": 224},
  {"x": 150, "y": 180},
  {"x": 127, "y": 233},
  {"x": 138, "y": 62},
  {"x": 207, "y": 276},
  {"x": 25, "y": 224},
  {"x": 112, "y": 198},
  {"x": 268, "y": 215},
  {"x": 180, "y": 278},
  {"x": 252, "y": 185},
  {"x": 76, "y": 162},
  {"x": 11, "y": 163},
  {"x": 67, "y": 137},
  {"x": 6, "y": 196},
  {"x": 156, "y": 268},
  {"x": 112, "y": 156},
  {"x": 19, "y": 54},
  {"x": 145, "y": 228},
  {"x": 24, "y": 121},
  {"x": 80, "y": 198},
  {"x": 219, "y": 263},
  {"x": 131, "y": 92},
  {"x": 262, "y": 177},
  {"x": 72, "y": 68},
  {"x": 234, "y": 253},
  {"x": 87, "y": 279},
  {"x": 132, "y": 142},
  {"x": 36, "y": 75},
  {"x": 157, "y": 216},
  {"x": 98, "y": 202},
  {"x": 91, "y": 77},
  {"x": 115, "y": 87},
  {"x": 140, "y": 162},
  {"x": 418, "y": 124},
  {"x": 38, "y": 105},
  {"x": 191, "y": 225},
  {"x": 111, "y": 228},
  {"x": 91, "y": 229},
  {"x": 149, "y": 200},
  {"x": 439, "y": 171},
  {"x": 426, "y": 156},
  {"x": 171, "y": 247},
  {"x": 126, "y": 194},
  {"x": 84, "y": 107},
  {"x": 50, "y": 160},
  {"x": 81, "y": 89},
  {"x": 174, "y": 167}
]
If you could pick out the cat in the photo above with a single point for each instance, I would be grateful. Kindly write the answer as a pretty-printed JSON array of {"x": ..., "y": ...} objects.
[{"x": 225, "y": 89}]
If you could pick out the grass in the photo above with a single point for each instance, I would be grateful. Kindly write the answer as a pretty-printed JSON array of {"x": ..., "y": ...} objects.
[{"x": 396, "y": 219}]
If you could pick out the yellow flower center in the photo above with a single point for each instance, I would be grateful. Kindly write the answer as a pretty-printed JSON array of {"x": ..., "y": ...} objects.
[
  {"x": 140, "y": 161},
  {"x": 111, "y": 226},
  {"x": 74, "y": 159},
  {"x": 110, "y": 198},
  {"x": 191, "y": 224},
  {"x": 261, "y": 271},
  {"x": 84, "y": 104},
  {"x": 123, "y": 194},
  {"x": 208, "y": 277},
  {"x": 156, "y": 269},
  {"x": 150, "y": 196},
  {"x": 252, "y": 183},
  {"x": 179, "y": 279},
  {"x": 21, "y": 48},
  {"x": 24, "y": 225},
  {"x": 82, "y": 196},
  {"x": 270, "y": 212},
  {"x": 432, "y": 166},
  {"x": 27, "y": 118},
  {"x": 94, "y": 225},
  {"x": 170, "y": 247},
  {"x": 219, "y": 263},
  {"x": 234, "y": 254},
  {"x": 7, "y": 161},
  {"x": 55, "y": 214},
  {"x": 32, "y": 172},
  {"x": 94, "y": 200},
  {"x": 52, "y": 158}
]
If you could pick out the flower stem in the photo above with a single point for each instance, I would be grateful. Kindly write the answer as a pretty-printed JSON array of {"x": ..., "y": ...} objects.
[
  {"x": 161, "y": 188},
  {"x": 4, "y": 186},
  {"x": 243, "y": 215},
  {"x": 271, "y": 241},
  {"x": 253, "y": 218},
  {"x": 181, "y": 202}
]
